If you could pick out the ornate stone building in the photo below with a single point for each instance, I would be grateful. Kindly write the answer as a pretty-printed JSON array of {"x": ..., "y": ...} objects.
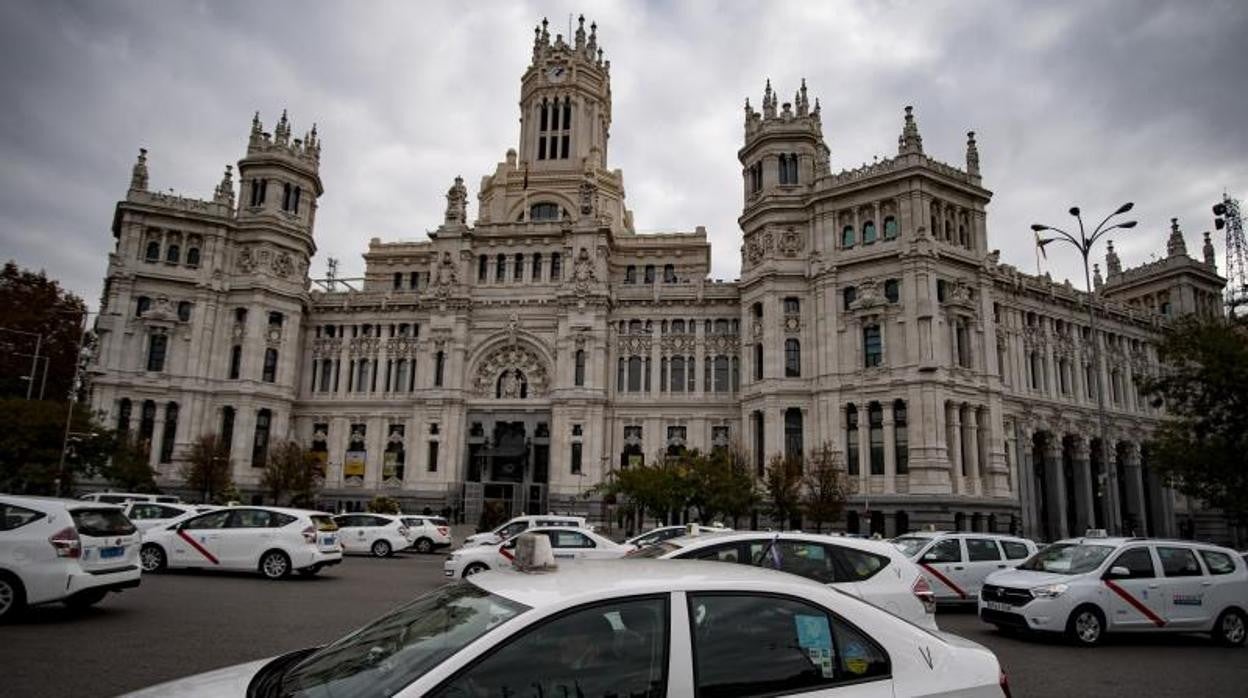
[{"x": 520, "y": 356}]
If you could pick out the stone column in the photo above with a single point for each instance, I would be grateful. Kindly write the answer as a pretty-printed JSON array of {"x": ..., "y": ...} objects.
[
  {"x": 1135, "y": 491},
  {"x": 972, "y": 452},
  {"x": 1085, "y": 515},
  {"x": 1055, "y": 487},
  {"x": 955, "y": 447},
  {"x": 890, "y": 455}
]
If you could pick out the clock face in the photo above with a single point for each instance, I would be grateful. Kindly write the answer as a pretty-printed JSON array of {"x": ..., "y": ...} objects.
[{"x": 556, "y": 73}]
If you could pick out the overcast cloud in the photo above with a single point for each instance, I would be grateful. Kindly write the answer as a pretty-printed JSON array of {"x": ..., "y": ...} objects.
[{"x": 1090, "y": 102}]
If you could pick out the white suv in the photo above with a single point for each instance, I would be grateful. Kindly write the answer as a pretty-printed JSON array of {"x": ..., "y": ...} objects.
[
  {"x": 63, "y": 550},
  {"x": 1086, "y": 587},
  {"x": 271, "y": 540},
  {"x": 955, "y": 564},
  {"x": 377, "y": 534},
  {"x": 428, "y": 533},
  {"x": 519, "y": 524},
  {"x": 147, "y": 515}
]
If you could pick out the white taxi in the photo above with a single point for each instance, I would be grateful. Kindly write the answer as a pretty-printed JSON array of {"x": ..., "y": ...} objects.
[
  {"x": 145, "y": 515},
  {"x": 679, "y": 628},
  {"x": 869, "y": 569},
  {"x": 662, "y": 533},
  {"x": 271, "y": 540},
  {"x": 520, "y": 524},
  {"x": 567, "y": 543},
  {"x": 63, "y": 550},
  {"x": 1087, "y": 587},
  {"x": 376, "y": 534},
  {"x": 428, "y": 533},
  {"x": 955, "y": 564}
]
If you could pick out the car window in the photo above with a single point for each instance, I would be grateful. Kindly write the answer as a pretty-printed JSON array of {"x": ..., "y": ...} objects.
[
  {"x": 13, "y": 516},
  {"x": 1178, "y": 562},
  {"x": 1015, "y": 550},
  {"x": 858, "y": 565},
  {"x": 513, "y": 529},
  {"x": 1218, "y": 563},
  {"x": 909, "y": 545},
  {"x": 569, "y": 539},
  {"x": 214, "y": 519},
  {"x": 102, "y": 522},
  {"x": 139, "y": 512},
  {"x": 728, "y": 552},
  {"x": 323, "y": 522},
  {"x": 112, "y": 499},
  {"x": 982, "y": 550},
  {"x": 613, "y": 649},
  {"x": 809, "y": 560},
  {"x": 746, "y": 645},
  {"x": 1138, "y": 561},
  {"x": 947, "y": 550},
  {"x": 278, "y": 519},
  {"x": 171, "y": 512},
  {"x": 248, "y": 518}
]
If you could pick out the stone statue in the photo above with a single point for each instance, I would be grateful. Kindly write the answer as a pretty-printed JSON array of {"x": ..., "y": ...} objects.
[
  {"x": 446, "y": 271},
  {"x": 457, "y": 203},
  {"x": 509, "y": 386},
  {"x": 583, "y": 272}
]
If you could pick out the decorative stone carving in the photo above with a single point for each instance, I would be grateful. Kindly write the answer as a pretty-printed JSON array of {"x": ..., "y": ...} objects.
[
  {"x": 283, "y": 265},
  {"x": 501, "y": 373},
  {"x": 246, "y": 261},
  {"x": 583, "y": 272},
  {"x": 325, "y": 346},
  {"x": 364, "y": 346},
  {"x": 634, "y": 344},
  {"x": 792, "y": 323},
  {"x": 790, "y": 243},
  {"x": 457, "y": 203},
  {"x": 678, "y": 343},
  {"x": 869, "y": 296}
]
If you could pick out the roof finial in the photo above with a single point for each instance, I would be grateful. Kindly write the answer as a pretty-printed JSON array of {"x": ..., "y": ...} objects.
[
  {"x": 1175, "y": 246},
  {"x": 1112, "y": 264},
  {"x": 1097, "y": 281},
  {"x": 910, "y": 141},
  {"x": 138, "y": 174},
  {"x": 1210, "y": 260},
  {"x": 972, "y": 155},
  {"x": 224, "y": 193}
]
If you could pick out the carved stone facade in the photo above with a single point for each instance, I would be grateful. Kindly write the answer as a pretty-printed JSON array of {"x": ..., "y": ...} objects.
[{"x": 521, "y": 356}]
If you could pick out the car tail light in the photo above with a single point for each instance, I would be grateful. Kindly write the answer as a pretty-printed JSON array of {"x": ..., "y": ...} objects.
[
  {"x": 923, "y": 591},
  {"x": 1005, "y": 685},
  {"x": 309, "y": 534},
  {"x": 66, "y": 542},
  {"x": 443, "y": 530}
]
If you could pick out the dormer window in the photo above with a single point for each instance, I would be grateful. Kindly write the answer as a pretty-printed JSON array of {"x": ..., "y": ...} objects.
[
  {"x": 554, "y": 133},
  {"x": 544, "y": 212}
]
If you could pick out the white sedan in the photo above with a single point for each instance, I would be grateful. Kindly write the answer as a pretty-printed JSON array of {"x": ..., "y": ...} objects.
[
  {"x": 631, "y": 628},
  {"x": 270, "y": 540},
  {"x": 872, "y": 570},
  {"x": 377, "y": 534},
  {"x": 565, "y": 543}
]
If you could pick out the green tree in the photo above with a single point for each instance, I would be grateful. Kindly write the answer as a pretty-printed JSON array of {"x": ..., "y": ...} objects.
[
  {"x": 292, "y": 475},
  {"x": 725, "y": 485},
  {"x": 381, "y": 504},
  {"x": 782, "y": 488},
  {"x": 30, "y": 446},
  {"x": 207, "y": 470},
  {"x": 824, "y": 487},
  {"x": 1201, "y": 447},
  {"x": 129, "y": 468},
  {"x": 35, "y": 310}
]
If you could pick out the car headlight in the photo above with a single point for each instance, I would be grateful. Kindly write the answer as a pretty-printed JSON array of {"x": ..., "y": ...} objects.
[{"x": 1049, "y": 591}]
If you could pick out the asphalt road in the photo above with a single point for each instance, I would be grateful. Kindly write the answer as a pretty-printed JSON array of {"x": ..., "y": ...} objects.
[{"x": 184, "y": 622}]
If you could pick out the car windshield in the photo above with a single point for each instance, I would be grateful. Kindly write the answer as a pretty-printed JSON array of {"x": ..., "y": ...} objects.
[
  {"x": 324, "y": 522},
  {"x": 653, "y": 550},
  {"x": 910, "y": 546},
  {"x": 1068, "y": 558},
  {"x": 102, "y": 522},
  {"x": 386, "y": 655}
]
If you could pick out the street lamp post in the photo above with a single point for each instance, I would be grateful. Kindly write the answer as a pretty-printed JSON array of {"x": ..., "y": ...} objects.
[
  {"x": 1084, "y": 244},
  {"x": 73, "y": 399}
]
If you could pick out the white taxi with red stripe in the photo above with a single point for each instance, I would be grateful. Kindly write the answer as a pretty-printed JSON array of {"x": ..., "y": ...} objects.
[
  {"x": 270, "y": 540},
  {"x": 1087, "y": 587},
  {"x": 955, "y": 564},
  {"x": 566, "y": 543}
]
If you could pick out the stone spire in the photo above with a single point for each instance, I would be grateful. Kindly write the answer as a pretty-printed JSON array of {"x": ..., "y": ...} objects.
[
  {"x": 1112, "y": 264},
  {"x": 138, "y": 175},
  {"x": 910, "y": 141},
  {"x": 972, "y": 155},
  {"x": 580, "y": 33},
  {"x": 281, "y": 134},
  {"x": 803, "y": 101},
  {"x": 591, "y": 48},
  {"x": 769, "y": 102},
  {"x": 1097, "y": 281},
  {"x": 1210, "y": 261},
  {"x": 224, "y": 193},
  {"x": 257, "y": 131},
  {"x": 1175, "y": 246}
]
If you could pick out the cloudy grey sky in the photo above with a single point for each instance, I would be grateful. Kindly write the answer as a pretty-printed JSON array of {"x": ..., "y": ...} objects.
[{"x": 1092, "y": 102}]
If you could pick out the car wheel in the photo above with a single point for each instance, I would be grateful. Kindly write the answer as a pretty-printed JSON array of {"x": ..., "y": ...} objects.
[
  {"x": 12, "y": 597},
  {"x": 275, "y": 565},
  {"x": 381, "y": 549},
  {"x": 152, "y": 558},
  {"x": 310, "y": 571},
  {"x": 474, "y": 568},
  {"x": 85, "y": 599},
  {"x": 1086, "y": 626},
  {"x": 424, "y": 545},
  {"x": 1231, "y": 628}
]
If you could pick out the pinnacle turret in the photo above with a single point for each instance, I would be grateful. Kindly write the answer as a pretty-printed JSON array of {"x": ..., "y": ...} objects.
[
  {"x": 1112, "y": 264},
  {"x": 138, "y": 175},
  {"x": 909, "y": 141},
  {"x": 1207, "y": 252},
  {"x": 1175, "y": 246},
  {"x": 972, "y": 155},
  {"x": 307, "y": 149},
  {"x": 224, "y": 193},
  {"x": 582, "y": 44}
]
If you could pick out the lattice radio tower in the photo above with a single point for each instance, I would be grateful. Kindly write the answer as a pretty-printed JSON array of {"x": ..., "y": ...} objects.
[{"x": 1228, "y": 217}]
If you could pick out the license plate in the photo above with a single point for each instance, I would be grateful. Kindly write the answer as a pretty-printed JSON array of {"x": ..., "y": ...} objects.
[
  {"x": 998, "y": 606},
  {"x": 111, "y": 552},
  {"x": 329, "y": 541}
]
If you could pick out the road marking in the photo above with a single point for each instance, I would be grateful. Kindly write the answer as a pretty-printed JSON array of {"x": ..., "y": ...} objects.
[
  {"x": 202, "y": 550},
  {"x": 947, "y": 582},
  {"x": 1135, "y": 603}
]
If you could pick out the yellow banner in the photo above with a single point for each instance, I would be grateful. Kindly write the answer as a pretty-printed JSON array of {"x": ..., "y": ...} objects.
[{"x": 353, "y": 464}]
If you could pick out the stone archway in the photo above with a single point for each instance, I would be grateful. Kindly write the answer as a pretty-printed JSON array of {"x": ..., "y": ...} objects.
[{"x": 511, "y": 372}]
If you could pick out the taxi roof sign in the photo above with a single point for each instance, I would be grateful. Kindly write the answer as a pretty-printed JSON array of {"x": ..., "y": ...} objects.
[
  {"x": 533, "y": 553},
  {"x": 1095, "y": 533}
]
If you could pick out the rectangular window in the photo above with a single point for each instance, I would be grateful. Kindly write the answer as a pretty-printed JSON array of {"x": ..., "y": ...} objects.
[
  {"x": 576, "y": 458},
  {"x": 556, "y": 266},
  {"x": 901, "y": 438},
  {"x": 875, "y": 433},
  {"x": 156, "y": 348},
  {"x": 432, "y": 465},
  {"x": 793, "y": 433},
  {"x": 579, "y": 369},
  {"x": 260, "y": 444},
  {"x": 760, "y": 448},
  {"x": 398, "y": 280},
  {"x": 270, "y": 366},
  {"x": 758, "y": 362},
  {"x": 851, "y": 440},
  {"x": 439, "y": 367},
  {"x": 236, "y": 361},
  {"x": 872, "y": 346}
]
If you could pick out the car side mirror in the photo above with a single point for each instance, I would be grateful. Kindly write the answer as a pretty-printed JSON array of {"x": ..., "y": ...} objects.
[
  {"x": 1119, "y": 571},
  {"x": 930, "y": 557}
]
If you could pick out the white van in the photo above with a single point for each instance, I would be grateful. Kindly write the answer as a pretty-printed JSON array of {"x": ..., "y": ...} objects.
[
  {"x": 522, "y": 523},
  {"x": 955, "y": 564},
  {"x": 123, "y": 497}
]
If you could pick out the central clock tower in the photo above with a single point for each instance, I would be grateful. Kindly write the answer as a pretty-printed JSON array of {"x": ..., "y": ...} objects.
[{"x": 565, "y": 102}]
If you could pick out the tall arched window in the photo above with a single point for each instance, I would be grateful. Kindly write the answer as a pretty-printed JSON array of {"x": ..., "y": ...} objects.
[
  {"x": 578, "y": 377},
  {"x": 123, "y": 415},
  {"x": 170, "y": 432},
  {"x": 847, "y": 236},
  {"x": 851, "y": 439},
  {"x": 260, "y": 444},
  {"x": 152, "y": 253},
  {"x": 634, "y": 374},
  {"x": 890, "y": 228},
  {"x": 556, "y": 266},
  {"x": 872, "y": 346},
  {"x": 678, "y": 374},
  {"x": 483, "y": 268},
  {"x": 236, "y": 361},
  {"x": 173, "y": 254},
  {"x": 270, "y": 366},
  {"x": 901, "y": 438},
  {"x": 439, "y": 368},
  {"x": 793, "y": 433},
  {"x": 192, "y": 257},
  {"x": 400, "y": 376},
  {"x": 157, "y": 345},
  {"x": 875, "y": 434},
  {"x": 868, "y": 232},
  {"x": 537, "y": 266},
  {"x": 500, "y": 268},
  {"x": 792, "y": 358},
  {"x": 147, "y": 426},
  {"x": 517, "y": 272},
  {"x": 758, "y": 362},
  {"x": 691, "y": 372},
  {"x": 722, "y": 376}
]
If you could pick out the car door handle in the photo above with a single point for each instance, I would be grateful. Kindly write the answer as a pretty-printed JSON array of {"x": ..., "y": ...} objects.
[
  {"x": 1206, "y": 584},
  {"x": 958, "y": 567},
  {"x": 1152, "y": 586},
  {"x": 1001, "y": 567}
]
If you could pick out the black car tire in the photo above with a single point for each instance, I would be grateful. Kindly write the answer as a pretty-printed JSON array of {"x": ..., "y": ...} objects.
[
  {"x": 1231, "y": 629},
  {"x": 423, "y": 545},
  {"x": 381, "y": 548},
  {"x": 275, "y": 565},
  {"x": 1086, "y": 627},
  {"x": 474, "y": 568},
  {"x": 12, "y": 597},
  {"x": 152, "y": 558}
]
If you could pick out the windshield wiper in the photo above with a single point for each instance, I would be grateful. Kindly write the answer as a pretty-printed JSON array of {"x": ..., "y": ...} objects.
[{"x": 267, "y": 683}]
